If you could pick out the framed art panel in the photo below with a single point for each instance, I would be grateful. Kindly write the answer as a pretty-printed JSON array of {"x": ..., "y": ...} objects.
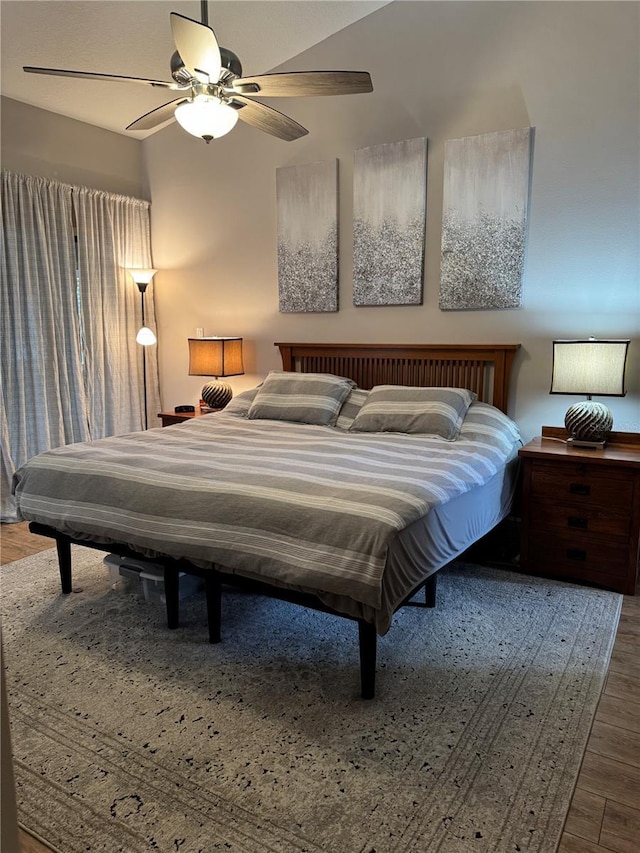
[
  {"x": 389, "y": 211},
  {"x": 484, "y": 220},
  {"x": 307, "y": 201}
]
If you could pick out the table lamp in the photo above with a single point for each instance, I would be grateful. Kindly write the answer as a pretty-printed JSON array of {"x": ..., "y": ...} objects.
[
  {"x": 216, "y": 357},
  {"x": 590, "y": 367}
]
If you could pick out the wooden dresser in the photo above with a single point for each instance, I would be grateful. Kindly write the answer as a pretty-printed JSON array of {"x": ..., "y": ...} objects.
[{"x": 581, "y": 510}]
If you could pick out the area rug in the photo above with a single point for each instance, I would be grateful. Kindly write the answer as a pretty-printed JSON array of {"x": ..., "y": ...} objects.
[{"x": 130, "y": 737}]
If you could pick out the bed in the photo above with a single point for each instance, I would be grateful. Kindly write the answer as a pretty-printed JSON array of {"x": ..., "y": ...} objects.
[{"x": 305, "y": 488}]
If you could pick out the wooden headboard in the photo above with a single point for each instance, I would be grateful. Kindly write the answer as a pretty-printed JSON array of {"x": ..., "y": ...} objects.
[{"x": 483, "y": 368}]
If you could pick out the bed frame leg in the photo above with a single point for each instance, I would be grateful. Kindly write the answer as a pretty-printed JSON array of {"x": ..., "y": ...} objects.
[
  {"x": 213, "y": 591},
  {"x": 63, "y": 547},
  {"x": 368, "y": 643},
  {"x": 430, "y": 589}
]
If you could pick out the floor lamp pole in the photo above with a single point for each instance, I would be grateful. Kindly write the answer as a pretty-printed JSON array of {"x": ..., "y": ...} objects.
[{"x": 144, "y": 370}]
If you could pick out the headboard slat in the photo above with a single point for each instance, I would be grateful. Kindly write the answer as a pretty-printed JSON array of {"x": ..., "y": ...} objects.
[{"x": 483, "y": 368}]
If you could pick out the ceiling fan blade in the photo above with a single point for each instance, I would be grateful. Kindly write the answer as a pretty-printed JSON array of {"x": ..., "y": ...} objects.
[
  {"x": 156, "y": 117},
  {"x": 198, "y": 48},
  {"x": 90, "y": 75},
  {"x": 303, "y": 83},
  {"x": 267, "y": 119}
]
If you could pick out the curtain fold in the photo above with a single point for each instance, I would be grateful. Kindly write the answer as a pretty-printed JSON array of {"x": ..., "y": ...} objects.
[{"x": 70, "y": 368}]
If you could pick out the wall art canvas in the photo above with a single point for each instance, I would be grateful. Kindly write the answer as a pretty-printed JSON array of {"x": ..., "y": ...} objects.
[
  {"x": 307, "y": 200},
  {"x": 389, "y": 210},
  {"x": 484, "y": 220}
]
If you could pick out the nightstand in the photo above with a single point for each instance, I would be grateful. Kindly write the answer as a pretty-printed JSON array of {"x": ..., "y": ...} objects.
[
  {"x": 170, "y": 418},
  {"x": 581, "y": 510}
]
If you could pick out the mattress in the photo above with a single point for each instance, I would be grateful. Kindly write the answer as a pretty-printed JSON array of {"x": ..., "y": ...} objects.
[{"x": 356, "y": 519}]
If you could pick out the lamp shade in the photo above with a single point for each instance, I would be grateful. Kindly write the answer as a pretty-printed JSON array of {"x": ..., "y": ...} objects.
[
  {"x": 142, "y": 276},
  {"x": 206, "y": 117},
  {"x": 589, "y": 367},
  {"x": 145, "y": 337},
  {"x": 215, "y": 357}
]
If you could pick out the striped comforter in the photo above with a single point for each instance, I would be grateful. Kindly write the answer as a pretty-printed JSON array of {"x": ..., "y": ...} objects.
[{"x": 307, "y": 506}]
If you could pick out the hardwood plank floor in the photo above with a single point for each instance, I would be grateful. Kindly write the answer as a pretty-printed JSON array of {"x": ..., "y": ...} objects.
[
  {"x": 604, "y": 816},
  {"x": 29, "y": 844},
  {"x": 605, "y": 810}
]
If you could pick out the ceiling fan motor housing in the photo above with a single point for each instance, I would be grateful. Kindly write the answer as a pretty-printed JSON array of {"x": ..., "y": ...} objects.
[
  {"x": 231, "y": 62},
  {"x": 178, "y": 71},
  {"x": 231, "y": 67}
]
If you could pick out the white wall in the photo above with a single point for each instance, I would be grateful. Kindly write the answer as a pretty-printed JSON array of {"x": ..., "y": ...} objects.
[
  {"x": 39, "y": 142},
  {"x": 440, "y": 70}
]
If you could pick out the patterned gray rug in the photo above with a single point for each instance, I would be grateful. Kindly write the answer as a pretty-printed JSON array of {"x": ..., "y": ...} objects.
[{"x": 129, "y": 737}]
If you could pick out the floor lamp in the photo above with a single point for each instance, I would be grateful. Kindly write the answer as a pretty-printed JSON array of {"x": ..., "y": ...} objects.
[{"x": 145, "y": 336}]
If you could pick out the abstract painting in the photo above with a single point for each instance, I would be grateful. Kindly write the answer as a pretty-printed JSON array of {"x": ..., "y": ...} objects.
[
  {"x": 484, "y": 220},
  {"x": 389, "y": 209},
  {"x": 307, "y": 200}
]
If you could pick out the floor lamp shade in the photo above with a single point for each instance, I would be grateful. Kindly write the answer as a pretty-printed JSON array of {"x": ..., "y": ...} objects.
[
  {"x": 589, "y": 367},
  {"x": 146, "y": 337},
  {"x": 142, "y": 277},
  {"x": 216, "y": 357}
]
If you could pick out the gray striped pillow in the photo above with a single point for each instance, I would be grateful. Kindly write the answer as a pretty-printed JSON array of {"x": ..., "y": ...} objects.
[
  {"x": 239, "y": 405},
  {"x": 308, "y": 398},
  {"x": 402, "y": 408},
  {"x": 351, "y": 407}
]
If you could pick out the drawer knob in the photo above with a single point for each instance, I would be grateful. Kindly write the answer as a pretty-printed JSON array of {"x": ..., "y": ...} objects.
[
  {"x": 579, "y": 489},
  {"x": 578, "y": 522},
  {"x": 576, "y": 554}
]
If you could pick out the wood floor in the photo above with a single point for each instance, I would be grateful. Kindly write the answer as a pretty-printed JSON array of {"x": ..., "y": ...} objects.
[{"x": 605, "y": 810}]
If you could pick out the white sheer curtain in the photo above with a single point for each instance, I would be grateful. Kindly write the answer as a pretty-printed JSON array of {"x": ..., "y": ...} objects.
[
  {"x": 113, "y": 236},
  {"x": 69, "y": 365},
  {"x": 43, "y": 399}
]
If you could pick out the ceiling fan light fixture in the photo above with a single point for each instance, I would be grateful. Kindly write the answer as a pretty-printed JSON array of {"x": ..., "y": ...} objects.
[{"x": 208, "y": 118}]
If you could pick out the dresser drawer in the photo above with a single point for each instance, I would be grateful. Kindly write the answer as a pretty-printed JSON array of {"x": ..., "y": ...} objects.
[
  {"x": 586, "y": 559},
  {"x": 581, "y": 484},
  {"x": 579, "y": 518}
]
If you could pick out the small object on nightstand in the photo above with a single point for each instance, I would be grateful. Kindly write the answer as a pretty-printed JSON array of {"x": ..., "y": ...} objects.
[
  {"x": 184, "y": 409},
  {"x": 581, "y": 511}
]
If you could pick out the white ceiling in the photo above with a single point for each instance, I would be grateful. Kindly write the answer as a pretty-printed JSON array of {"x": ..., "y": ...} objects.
[{"x": 133, "y": 38}]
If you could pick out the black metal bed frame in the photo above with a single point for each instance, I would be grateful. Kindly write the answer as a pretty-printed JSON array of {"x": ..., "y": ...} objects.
[{"x": 214, "y": 579}]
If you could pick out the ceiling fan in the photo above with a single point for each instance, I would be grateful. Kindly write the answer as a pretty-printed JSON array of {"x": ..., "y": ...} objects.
[{"x": 213, "y": 92}]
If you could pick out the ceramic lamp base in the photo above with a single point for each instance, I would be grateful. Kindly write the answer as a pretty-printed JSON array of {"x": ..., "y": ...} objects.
[
  {"x": 217, "y": 394},
  {"x": 588, "y": 422}
]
